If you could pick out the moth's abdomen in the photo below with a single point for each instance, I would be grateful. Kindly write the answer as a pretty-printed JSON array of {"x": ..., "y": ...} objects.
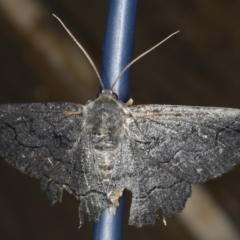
[{"x": 105, "y": 164}]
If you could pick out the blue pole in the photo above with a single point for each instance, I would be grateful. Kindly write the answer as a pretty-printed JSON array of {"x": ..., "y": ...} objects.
[
  {"x": 118, "y": 45},
  {"x": 117, "y": 53}
]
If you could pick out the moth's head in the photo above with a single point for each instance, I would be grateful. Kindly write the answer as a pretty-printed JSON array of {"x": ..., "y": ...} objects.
[
  {"x": 107, "y": 93},
  {"x": 105, "y": 96}
]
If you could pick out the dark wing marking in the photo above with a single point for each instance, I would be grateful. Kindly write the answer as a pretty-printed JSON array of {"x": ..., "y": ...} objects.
[
  {"x": 176, "y": 146},
  {"x": 39, "y": 139}
]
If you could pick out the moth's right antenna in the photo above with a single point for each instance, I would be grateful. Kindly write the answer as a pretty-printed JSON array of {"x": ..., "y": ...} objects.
[
  {"x": 84, "y": 51},
  {"x": 137, "y": 58}
]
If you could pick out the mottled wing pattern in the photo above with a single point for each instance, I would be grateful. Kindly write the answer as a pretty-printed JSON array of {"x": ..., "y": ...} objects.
[
  {"x": 86, "y": 183},
  {"x": 158, "y": 151},
  {"x": 39, "y": 139},
  {"x": 179, "y": 145}
]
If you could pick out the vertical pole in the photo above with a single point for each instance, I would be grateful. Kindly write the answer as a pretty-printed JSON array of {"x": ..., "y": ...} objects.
[
  {"x": 118, "y": 45},
  {"x": 117, "y": 53}
]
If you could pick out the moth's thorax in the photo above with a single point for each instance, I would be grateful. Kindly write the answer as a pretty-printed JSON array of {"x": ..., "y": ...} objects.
[{"x": 106, "y": 122}]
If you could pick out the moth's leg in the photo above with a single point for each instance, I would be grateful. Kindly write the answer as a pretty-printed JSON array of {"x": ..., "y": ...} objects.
[{"x": 129, "y": 103}]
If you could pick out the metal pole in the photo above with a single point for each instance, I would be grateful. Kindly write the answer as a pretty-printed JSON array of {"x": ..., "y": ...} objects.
[{"x": 117, "y": 53}]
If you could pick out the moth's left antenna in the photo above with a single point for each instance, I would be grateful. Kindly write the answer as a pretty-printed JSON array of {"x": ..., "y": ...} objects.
[{"x": 82, "y": 48}]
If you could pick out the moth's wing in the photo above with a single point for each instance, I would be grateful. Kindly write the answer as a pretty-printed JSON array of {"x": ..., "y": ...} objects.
[
  {"x": 179, "y": 145},
  {"x": 195, "y": 143},
  {"x": 86, "y": 182},
  {"x": 38, "y": 139}
]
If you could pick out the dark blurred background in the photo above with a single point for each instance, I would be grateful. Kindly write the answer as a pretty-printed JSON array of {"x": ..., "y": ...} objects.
[{"x": 200, "y": 66}]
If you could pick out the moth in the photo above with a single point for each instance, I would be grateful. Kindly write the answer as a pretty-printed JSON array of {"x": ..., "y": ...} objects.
[{"x": 97, "y": 150}]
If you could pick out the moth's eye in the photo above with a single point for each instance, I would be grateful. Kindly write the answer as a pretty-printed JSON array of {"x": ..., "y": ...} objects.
[
  {"x": 115, "y": 96},
  {"x": 98, "y": 95}
]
